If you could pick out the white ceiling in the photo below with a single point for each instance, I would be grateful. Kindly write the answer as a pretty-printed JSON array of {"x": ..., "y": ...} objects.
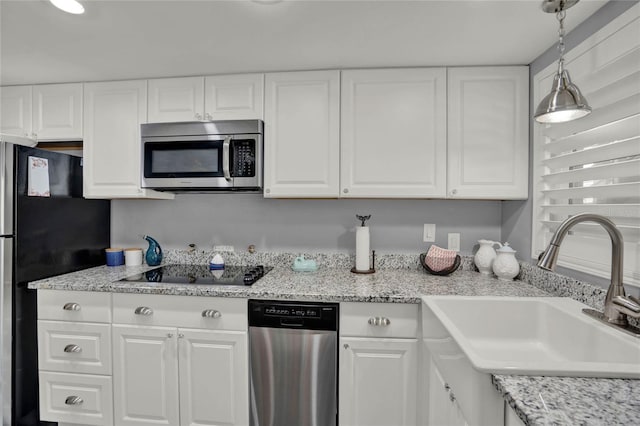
[{"x": 138, "y": 39}]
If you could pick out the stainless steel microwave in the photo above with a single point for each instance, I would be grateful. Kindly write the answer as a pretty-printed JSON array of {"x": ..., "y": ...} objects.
[{"x": 202, "y": 156}]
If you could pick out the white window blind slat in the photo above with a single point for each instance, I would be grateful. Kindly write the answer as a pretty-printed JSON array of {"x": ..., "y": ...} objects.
[
  {"x": 616, "y": 190},
  {"x": 620, "y": 169},
  {"x": 620, "y": 149},
  {"x": 626, "y": 128},
  {"x": 612, "y": 211}
]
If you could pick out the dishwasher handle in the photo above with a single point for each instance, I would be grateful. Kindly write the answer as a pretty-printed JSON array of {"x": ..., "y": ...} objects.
[{"x": 292, "y": 322}]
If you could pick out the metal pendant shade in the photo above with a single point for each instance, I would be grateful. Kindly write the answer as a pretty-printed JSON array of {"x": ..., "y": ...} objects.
[{"x": 565, "y": 102}]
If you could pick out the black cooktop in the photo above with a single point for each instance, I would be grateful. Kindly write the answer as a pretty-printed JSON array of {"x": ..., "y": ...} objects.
[{"x": 202, "y": 275}]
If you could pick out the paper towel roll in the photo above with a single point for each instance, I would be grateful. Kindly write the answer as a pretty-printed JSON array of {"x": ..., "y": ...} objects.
[{"x": 362, "y": 248}]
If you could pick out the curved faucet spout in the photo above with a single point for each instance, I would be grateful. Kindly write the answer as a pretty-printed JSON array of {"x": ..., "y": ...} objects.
[{"x": 549, "y": 257}]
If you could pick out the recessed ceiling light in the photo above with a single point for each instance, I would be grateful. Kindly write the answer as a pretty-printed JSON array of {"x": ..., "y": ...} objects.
[{"x": 69, "y": 6}]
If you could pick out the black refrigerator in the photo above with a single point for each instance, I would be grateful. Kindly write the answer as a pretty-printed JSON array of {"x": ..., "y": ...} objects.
[{"x": 40, "y": 237}]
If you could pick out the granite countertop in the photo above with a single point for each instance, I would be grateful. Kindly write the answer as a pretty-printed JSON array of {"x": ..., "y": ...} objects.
[
  {"x": 536, "y": 400},
  {"x": 326, "y": 284}
]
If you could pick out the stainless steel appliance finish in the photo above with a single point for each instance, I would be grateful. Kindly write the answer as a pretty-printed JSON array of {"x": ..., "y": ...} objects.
[
  {"x": 202, "y": 156},
  {"x": 293, "y": 356},
  {"x": 39, "y": 237}
]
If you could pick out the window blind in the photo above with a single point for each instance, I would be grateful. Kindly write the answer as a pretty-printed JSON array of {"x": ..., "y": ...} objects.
[{"x": 593, "y": 164}]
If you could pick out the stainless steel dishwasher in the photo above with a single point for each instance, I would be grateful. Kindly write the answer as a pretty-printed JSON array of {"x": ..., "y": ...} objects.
[{"x": 293, "y": 356}]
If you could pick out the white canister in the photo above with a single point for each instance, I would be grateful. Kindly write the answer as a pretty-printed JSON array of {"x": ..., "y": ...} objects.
[
  {"x": 484, "y": 256},
  {"x": 133, "y": 256},
  {"x": 505, "y": 265}
]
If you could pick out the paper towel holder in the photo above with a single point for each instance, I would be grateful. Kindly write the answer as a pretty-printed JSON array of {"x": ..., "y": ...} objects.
[{"x": 373, "y": 265}]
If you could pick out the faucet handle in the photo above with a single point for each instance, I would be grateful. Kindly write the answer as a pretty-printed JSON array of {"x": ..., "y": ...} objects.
[{"x": 627, "y": 305}]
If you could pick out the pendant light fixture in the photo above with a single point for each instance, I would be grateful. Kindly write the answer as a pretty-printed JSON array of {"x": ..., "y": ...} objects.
[{"x": 565, "y": 102}]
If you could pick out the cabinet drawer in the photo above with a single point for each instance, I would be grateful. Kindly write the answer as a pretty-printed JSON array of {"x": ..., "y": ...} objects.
[
  {"x": 180, "y": 311},
  {"x": 379, "y": 320},
  {"x": 74, "y": 347},
  {"x": 92, "y": 404},
  {"x": 84, "y": 306}
]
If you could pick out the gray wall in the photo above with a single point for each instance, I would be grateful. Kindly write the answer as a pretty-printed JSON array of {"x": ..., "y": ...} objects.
[
  {"x": 517, "y": 215},
  {"x": 300, "y": 225}
]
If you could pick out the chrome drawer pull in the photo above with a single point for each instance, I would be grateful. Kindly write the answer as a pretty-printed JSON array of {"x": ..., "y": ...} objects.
[
  {"x": 71, "y": 306},
  {"x": 73, "y": 400},
  {"x": 379, "y": 321},
  {"x": 73, "y": 349},
  {"x": 211, "y": 313},
  {"x": 143, "y": 310}
]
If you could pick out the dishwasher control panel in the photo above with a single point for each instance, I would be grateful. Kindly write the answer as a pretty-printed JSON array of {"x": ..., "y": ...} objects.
[{"x": 285, "y": 314}]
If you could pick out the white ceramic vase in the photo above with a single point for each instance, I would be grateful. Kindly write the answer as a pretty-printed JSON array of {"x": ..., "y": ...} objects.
[
  {"x": 505, "y": 265},
  {"x": 484, "y": 256}
]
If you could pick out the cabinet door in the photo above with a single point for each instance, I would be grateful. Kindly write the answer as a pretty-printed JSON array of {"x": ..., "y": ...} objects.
[
  {"x": 488, "y": 149},
  {"x": 393, "y": 140},
  {"x": 16, "y": 110},
  {"x": 145, "y": 375},
  {"x": 443, "y": 407},
  {"x": 378, "y": 384},
  {"x": 176, "y": 99},
  {"x": 302, "y": 134},
  {"x": 113, "y": 112},
  {"x": 57, "y": 111},
  {"x": 234, "y": 97},
  {"x": 214, "y": 377}
]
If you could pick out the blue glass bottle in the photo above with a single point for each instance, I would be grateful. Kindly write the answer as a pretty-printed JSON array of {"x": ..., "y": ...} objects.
[{"x": 154, "y": 252}]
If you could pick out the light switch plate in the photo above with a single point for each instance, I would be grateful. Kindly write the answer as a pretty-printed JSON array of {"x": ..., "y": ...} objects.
[
  {"x": 454, "y": 241},
  {"x": 429, "y": 233}
]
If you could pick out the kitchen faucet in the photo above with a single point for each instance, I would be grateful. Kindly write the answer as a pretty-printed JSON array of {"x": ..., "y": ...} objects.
[{"x": 617, "y": 306}]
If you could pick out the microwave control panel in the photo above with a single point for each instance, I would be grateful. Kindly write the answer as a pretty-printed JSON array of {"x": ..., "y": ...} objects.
[{"x": 244, "y": 158}]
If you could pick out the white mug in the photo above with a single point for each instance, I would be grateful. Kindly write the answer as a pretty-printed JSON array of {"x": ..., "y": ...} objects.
[{"x": 133, "y": 256}]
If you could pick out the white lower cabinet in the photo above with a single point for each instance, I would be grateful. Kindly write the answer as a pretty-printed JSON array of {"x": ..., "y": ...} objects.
[
  {"x": 74, "y": 357},
  {"x": 145, "y": 378},
  {"x": 378, "y": 374},
  {"x": 177, "y": 375},
  {"x": 443, "y": 405}
]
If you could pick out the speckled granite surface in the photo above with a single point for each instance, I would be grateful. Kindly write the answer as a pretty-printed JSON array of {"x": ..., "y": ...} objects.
[
  {"x": 572, "y": 400},
  {"x": 401, "y": 279}
]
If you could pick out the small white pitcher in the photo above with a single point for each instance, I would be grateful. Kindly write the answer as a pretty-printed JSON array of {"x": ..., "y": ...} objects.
[{"x": 485, "y": 255}]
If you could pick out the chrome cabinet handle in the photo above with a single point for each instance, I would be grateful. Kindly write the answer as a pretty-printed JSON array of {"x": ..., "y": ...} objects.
[
  {"x": 143, "y": 310},
  {"x": 452, "y": 397},
  {"x": 208, "y": 117},
  {"x": 379, "y": 321},
  {"x": 211, "y": 313},
  {"x": 198, "y": 116},
  {"x": 71, "y": 306},
  {"x": 225, "y": 157},
  {"x": 447, "y": 387},
  {"x": 73, "y": 400},
  {"x": 75, "y": 349}
]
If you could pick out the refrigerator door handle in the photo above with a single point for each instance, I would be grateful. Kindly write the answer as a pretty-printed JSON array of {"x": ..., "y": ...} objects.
[
  {"x": 6, "y": 288},
  {"x": 6, "y": 188}
]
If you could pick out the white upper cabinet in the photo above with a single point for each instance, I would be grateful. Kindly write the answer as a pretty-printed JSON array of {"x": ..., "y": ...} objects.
[
  {"x": 43, "y": 112},
  {"x": 57, "y": 111},
  {"x": 488, "y": 127},
  {"x": 393, "y": 133},
  {"x": 113, "y": 112},
  {"x": 302, "y": 134},
  {"x": 234, "y": 97},
  {"x": 176, "y": 99},
  {"x": 16, "y": 110}
]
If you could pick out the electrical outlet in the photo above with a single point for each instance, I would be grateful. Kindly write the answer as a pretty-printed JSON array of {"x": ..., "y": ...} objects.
[
  {"x": 429, "y": 233},
  {"x": 454, "y": 241},
  {"x": 222, "y": 248}
]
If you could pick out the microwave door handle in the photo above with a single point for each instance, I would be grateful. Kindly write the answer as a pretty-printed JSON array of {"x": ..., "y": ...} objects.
[{"x": 225, "y": 158}]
